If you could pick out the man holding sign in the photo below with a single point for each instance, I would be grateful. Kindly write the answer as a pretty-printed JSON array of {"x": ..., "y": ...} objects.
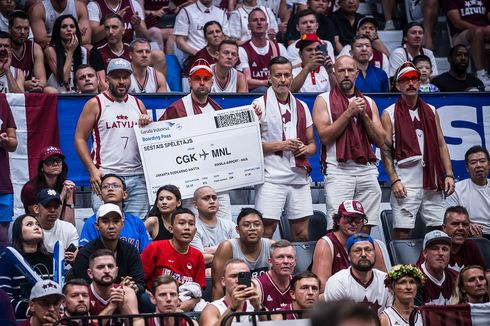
[
  {"x": 287, "y": 139},
  {"x": 198, "y": 102}
]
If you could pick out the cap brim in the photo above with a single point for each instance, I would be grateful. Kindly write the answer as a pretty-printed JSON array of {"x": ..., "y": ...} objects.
[
  {"x": 202, "y": 72},
  {"x": 445, "y": 240},
  {"x": 45, "y": 202},
  {"x": 126, "y": 70}
]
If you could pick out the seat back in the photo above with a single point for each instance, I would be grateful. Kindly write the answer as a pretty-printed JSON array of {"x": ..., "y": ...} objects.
[
  {"x": 484, "y": 246},
  {"x": 304, "y": 255},
  {"x": 405, "y": 251},
  {"x": 207, "y": 292},
  {"x": 387, "y": 223},
  {"x": 317, "y": 226}
]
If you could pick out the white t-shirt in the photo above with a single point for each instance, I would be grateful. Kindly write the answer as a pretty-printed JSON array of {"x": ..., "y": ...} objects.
[
  {"x": 242, "y": 54},
  {"x": 316, "y": 82},
  {"x": 277, "y": 167},
  {"x": 94, "y": 10},
  {"x": 190, "y": 22},
  {"x": 386, "y": 62},
  {"x": 63, "y": 231},
  {"x": 239, "y": 22},
  {"x": 344, "y": 285},
  {"x": 475, "y": 198},
  {"x": 293, "y": 52},
  {"x": 210, "y": 236},
  {"x": 271, "y": 4},
  {"x": 399, "y": 56}
]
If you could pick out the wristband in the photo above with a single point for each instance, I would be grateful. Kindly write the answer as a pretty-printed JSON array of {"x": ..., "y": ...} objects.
[
  {"x": 397, "y": 180},
  {"x": 450, "y": 176}
]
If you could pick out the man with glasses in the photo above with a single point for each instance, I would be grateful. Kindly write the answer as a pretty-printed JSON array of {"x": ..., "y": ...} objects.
[
  {"x": 109, "y": 118},
  {"x": 330, "y": 255},
  {"x": 415, "y": 157},
  {"x": 113, "y": 191},
  {"x": 110, "y": 222},
  {"x": 361, "y": 282},
  {"x": 44, "y": 304},
  {"x": 347, "y": 123},
  {"x": 198, "y": 101},
  {"x": 370, "y": 79}
]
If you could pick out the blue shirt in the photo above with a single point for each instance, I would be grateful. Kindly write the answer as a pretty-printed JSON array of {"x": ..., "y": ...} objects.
[
  {"x": 376, "y": 80},
  {"x": 134, "y": 232}
]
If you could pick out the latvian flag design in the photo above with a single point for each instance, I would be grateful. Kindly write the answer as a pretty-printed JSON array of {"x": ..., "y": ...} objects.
[
  {"x": 37, "y": 127},
  {"x": 456, "y": 315}
]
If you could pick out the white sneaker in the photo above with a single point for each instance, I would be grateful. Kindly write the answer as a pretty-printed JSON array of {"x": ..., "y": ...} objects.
[
  {"x": 484, "y": 79},
  {"x": 389, "y": 25}
]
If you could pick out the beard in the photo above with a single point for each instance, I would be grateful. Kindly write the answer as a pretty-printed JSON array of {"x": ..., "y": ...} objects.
[
  {"x": 103, "y": 281},
  {"x": 346, "y": 85},
  {"x": 363, "y": 265},
  {"x": 116, "y": 93},
  {"x": 80, "y": 310}
]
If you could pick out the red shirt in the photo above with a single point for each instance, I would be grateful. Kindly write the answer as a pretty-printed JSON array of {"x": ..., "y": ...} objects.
[
  {"x": 160, "y": 258},
  {"x": 6, "y": 122}
]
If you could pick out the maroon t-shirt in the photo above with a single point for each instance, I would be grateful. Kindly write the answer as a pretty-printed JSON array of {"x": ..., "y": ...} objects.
[
  {"x": 100, "y": 56},
  {"x": 473, "y": 12},
  {"x": 105, "y": 10},
  {"x": 469, "y": 254},
  {"x": 6, "y": 122},
  {"x": 26, "y": 61},
  {"x": 97, "y": 304},
  {"x": 272, "y": 297},
  {"x": 201, "y": 54},
  {"x": 259, "y": 64},
  {"x": 439, "y": 294}
]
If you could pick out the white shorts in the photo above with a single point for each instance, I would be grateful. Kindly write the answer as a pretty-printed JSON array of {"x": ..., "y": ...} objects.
[
  {"x": 429, "y": 203},
  {"x": 224, "y": 209},
  {"x": 364, "y": 188},
  {"x": 272, "y": 198}
]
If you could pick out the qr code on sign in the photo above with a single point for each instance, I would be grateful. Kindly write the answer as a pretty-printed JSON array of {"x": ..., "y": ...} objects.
[{"x": 233, "y": 119}]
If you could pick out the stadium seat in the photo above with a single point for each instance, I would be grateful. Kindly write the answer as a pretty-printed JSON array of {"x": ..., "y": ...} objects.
[
  {"x": 207, "y": 292},
  {"x": 405, "y": 251},
  {"x": 317, "y": 226},
  {"x": 419, "y": 231},
  {"x": 304, "y": 255},
  {"x": 386, "y": 255},
  {"x": 387, "y": 223},
  {"x": 484, "y": 246}
]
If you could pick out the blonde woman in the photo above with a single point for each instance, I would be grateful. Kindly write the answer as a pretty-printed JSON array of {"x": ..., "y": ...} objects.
[
  {"x": 402, "y": 281},
  {"x": 471, "y": 286}
]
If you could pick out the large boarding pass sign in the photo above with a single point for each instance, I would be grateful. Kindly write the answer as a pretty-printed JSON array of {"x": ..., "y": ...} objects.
[{"x": 221, "y": 149}]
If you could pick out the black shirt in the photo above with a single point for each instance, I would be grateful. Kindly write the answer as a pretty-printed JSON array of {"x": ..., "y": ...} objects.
[
  {"x": 447, "y": 83},
  {"x": 128, "y": 262},
  {"x": 326, "y": 29},
  {"x": 344, "y": 29}
]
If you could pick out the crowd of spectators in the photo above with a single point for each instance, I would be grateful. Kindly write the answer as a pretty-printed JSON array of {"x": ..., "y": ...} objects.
[
  {"x": 46, "y": 43},
  {"x": 130, "y": 258}
]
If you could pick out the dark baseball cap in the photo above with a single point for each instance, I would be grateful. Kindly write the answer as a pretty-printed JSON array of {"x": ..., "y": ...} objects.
[
  {"x": 45, "y": 196},
  {"x": 367, "y": 19}
]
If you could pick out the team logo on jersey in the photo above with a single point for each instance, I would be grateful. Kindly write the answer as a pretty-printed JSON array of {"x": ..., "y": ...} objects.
[
  {"x": 122, "y": 117},
  {"x": 254, "y": 64},
  {"x": 269, "y": 298},
  {"x": 189, "y": 265},
  {"x": 92, "y": 302},
  {"x": 171, "y": 261}
]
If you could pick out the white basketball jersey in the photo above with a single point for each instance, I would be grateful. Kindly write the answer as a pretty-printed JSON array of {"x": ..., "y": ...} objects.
[
  {"x": 114, "y": 146},
  {"x": 150, "y": 84},
  {"x": 51, "y": 14},
  {"x": 397, "y": 320},
  {"x": 231, "y": 84},
  {"x": 4, "y": 85}
]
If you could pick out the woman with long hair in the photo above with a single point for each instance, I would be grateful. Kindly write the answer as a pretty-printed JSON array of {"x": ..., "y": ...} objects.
[
  {"x": 52, "y": 172},
  {"x": 27, "y": 239},
  {"x": 471, "y": 286},
  {"x": 65, "y": 54},
  {"x": 402, "y": 281},
  {"x": 167, "y": 200}
]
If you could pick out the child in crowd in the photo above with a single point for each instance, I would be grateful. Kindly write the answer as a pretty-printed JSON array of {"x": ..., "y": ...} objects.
[{"x": 423, "y": 64}]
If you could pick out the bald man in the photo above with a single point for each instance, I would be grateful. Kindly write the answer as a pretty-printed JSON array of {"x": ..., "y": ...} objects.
[{"x": 348, "y": 124}]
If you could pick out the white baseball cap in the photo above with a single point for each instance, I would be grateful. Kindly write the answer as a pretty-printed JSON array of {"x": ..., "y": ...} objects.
[
  {"x": 108, "y": 208},
  {"x": 119, "y": 64},
  {"x": 436, "y": 235},
  {"x": 44, "y": 288}
]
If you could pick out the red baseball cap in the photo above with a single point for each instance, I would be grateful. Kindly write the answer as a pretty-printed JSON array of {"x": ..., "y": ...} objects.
[
  {"x": 49, "y": 151},
  {"x": 351, "y": 207},
  {"x": 201, "y": 68},
  {"x": 307, "y": 39}
]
